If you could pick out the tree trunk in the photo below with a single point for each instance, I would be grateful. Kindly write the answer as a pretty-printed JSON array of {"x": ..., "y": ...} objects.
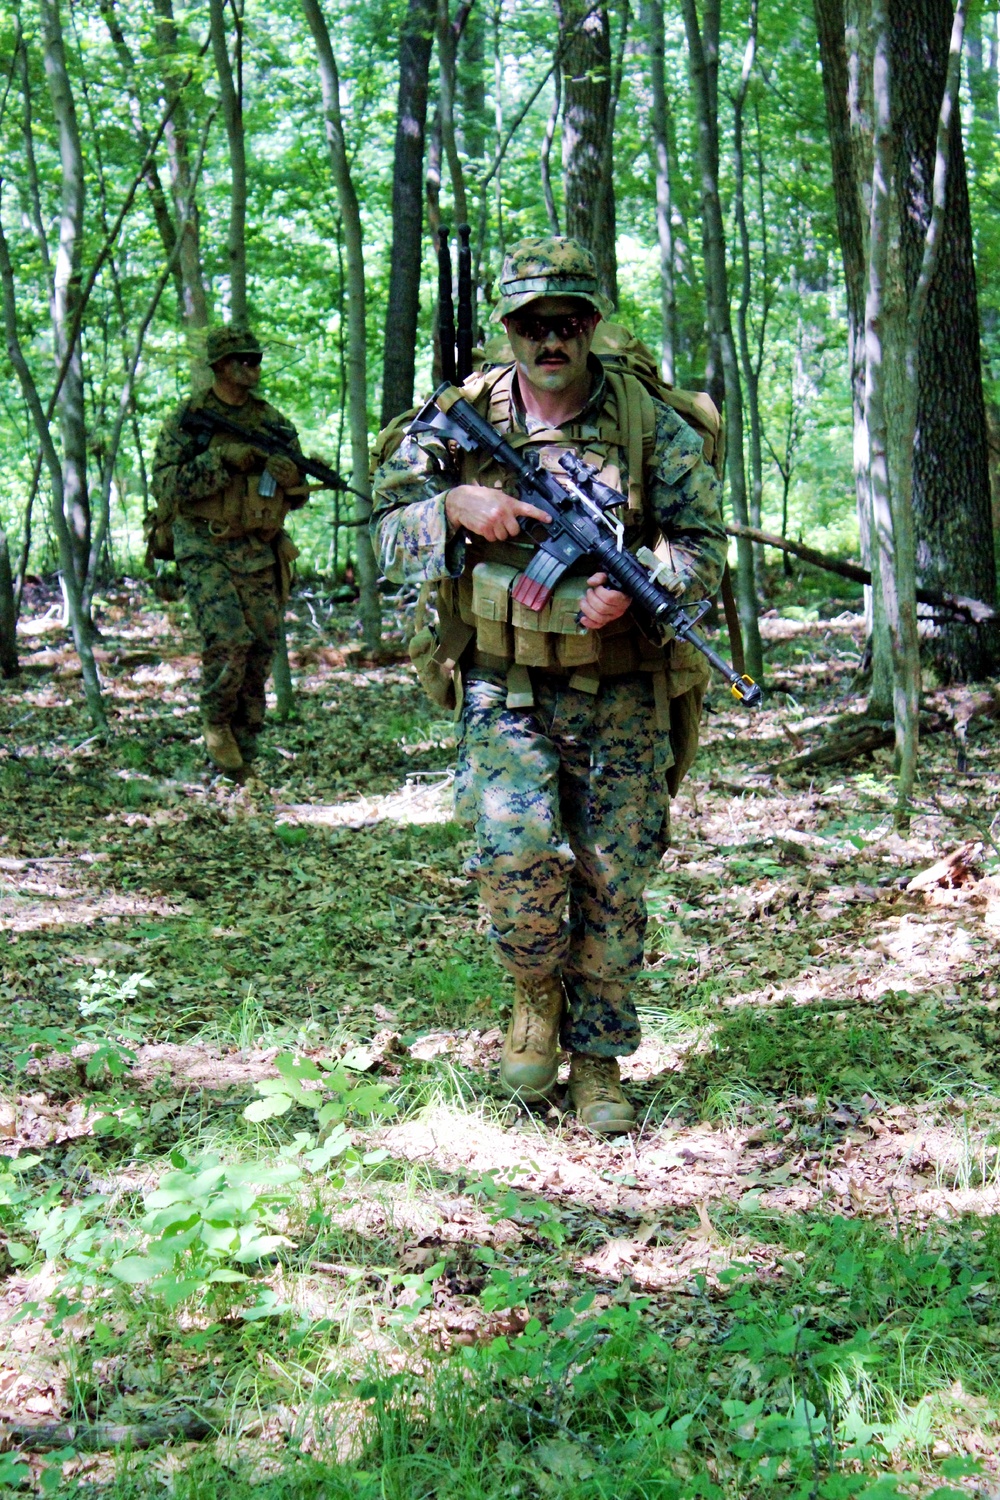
[
  {"x": 66, "y": 293},
  {"x": 951, "y": 486},
  {"x": 231, "y": 96},
  {"x": 403, "y": 308},
  {"x": 157, "y": 196},
  {"x": 448, "y": 36},
  {"x": 195, "y": 302},
  {"x": 82, "y": 635},
  {"x": 8, "y": 613},
  {"x": 545, "y": 155},
  {"x": 370, "y": 606},
  {"x": 751, "y": 367},
  {"x": 660, "y": 126},
  {"x": 703, "y": 50},
  {"x": 588, "y": 115}
]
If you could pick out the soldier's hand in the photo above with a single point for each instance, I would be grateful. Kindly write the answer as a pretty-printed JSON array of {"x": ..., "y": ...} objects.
[
  {"x": 600, "y": 605},
  {"x": 242, "y": 458},
  {"x": 284, "y": 471},
  {"x": 487, "y": 512}
]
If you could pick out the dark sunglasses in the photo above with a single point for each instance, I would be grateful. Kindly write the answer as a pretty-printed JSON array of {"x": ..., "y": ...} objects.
[
  {"x": 250, "y": 360},
  {"x": 536, "y": 328}
]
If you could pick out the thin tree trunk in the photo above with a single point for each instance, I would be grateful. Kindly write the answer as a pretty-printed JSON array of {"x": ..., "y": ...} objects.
[
  {"x": 660, "y": 123},
  {"x": 8, "y": 613},
  {"x": 751, "y": 370},
  {"x": 34, "y": 194},
  {"x": 78, "y": 624},
  {"x": 195, "y": 300},
  {"x": 545, "y": 155},
  {"x": 405, "y": 257},
  {"x": 448, "y": 37},
  {"x": 231, "y": 95},
  {"x": 157, "y": 196},
  {"x": 587, "y": 117},
  {"x": 65, "y": 296},
  {"x": 357, "y": 368},
  {"x": 703, "y": 48}
]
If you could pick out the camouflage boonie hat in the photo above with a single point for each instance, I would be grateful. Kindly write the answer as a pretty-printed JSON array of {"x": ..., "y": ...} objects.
[
  {"x": 223, "y": 343},
  {"x": 553, "y": 266}
]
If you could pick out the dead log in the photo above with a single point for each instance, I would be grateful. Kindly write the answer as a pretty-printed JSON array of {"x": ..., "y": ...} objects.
[
  {"x": 972, "y": 611},
  {"x": 861, "y": 737},
  {"x": 101, "y": 1437}
]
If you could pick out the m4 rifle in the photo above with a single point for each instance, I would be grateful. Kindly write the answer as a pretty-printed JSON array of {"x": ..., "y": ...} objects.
[
  {"x": 583, "y": 525},
  {"x": 271, "y": 437}
]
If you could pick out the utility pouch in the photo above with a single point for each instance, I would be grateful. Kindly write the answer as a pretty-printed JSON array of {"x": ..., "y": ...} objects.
[
  {"x": 261, "y": 515},
  {"x": 491, "y": 605}
]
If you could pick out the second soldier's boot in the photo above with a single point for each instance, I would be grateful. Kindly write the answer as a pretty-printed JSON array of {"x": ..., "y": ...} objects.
[
  {"x": 529, "y": 1061},
  {"x": 595, "y": 1090},
  {"x": 222, "y": 747}
]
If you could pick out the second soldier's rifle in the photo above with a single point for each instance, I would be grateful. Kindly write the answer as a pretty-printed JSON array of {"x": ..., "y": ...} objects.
[
  {"x": 270, "y": 438},
  {"x": 583, "y": 525}
]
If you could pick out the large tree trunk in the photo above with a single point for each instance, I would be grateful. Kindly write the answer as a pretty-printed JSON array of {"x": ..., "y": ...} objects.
[
  {"x": 356, "y": 361},
  {"x": 951, "y": 487},
  {"x": 846, "y": 49},
  {"x": 398, "y": 361},
  {"x": 703, "y": 49},
  {"x": 231, "y": 95},
  {"x": 195, "y": 301},
  {"x": 588, "y": 118},
  {"x": 660, "y": 130},
  {"x": 65, "y": 297}
]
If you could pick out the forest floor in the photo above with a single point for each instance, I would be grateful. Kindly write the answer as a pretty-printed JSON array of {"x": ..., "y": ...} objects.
[{"x": 268, "y": 1227}]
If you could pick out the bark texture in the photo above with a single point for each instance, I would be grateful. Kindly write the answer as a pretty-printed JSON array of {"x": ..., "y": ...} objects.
[
  {"x": 588, "y": 116},
  {"x": 178, "y": 155},
  {"x": 66, "y": 294},
  {"x": 356, "y": 367},
  {"x": 660, "y": 127},
  {"x": 703, "y": 50},
  {"x": 231, "y": 96},
  {"x": 403, "y": 308},
  {"x": 951, "y": 484},
  {"x": 8, "y": 613}
]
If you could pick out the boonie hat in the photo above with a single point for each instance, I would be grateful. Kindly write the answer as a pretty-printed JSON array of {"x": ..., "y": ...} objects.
[
  {"x": 223, "y": 343},
  {"x": 553, "y": 266}
]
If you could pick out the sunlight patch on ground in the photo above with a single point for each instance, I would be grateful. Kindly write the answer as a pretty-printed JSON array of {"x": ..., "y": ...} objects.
[{"x": 421, "y": 800}]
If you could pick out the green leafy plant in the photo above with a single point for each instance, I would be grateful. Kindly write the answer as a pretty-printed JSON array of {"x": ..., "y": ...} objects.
[
  {"x": 332, "y": 1092},
  {"x": 204, "y": 1220}
]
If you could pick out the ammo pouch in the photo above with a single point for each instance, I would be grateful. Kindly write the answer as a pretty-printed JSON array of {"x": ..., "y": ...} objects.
[{"x": 551, "y": 638}]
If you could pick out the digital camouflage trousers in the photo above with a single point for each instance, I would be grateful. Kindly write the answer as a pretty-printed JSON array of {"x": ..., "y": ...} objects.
[
  {"x": 570, "y": 806},
  {"x": 236, "y": 615}
]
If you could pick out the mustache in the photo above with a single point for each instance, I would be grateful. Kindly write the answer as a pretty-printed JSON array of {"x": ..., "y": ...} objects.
[{"x": 551, "y": 356}]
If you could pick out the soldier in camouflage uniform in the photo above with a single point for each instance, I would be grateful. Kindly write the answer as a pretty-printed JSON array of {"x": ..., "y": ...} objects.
[
  {"x": 232, "y": 554},
  {"x": 564, "y": 752}
]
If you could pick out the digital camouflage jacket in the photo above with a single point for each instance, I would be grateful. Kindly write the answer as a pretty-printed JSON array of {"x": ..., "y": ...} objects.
[
  {"x": 681, "y": 496},
  {"x": 185, "y": 471}
]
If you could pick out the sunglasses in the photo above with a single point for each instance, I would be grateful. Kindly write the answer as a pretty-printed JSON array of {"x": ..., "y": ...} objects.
[
  {"x": 250, "y": 360},
  {"x": 536, "y": 328}
]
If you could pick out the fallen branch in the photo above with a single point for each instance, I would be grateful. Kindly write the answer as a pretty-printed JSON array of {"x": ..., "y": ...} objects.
[
  {"x": 861, "y": 738},
  {"x": 98, "y": 1437},
  {"x": 972, "y": 611}
]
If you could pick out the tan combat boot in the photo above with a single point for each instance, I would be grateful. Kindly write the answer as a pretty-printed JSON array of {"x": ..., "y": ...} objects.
[
  {"x": 596, "y": 1093},
  {"x": 222, "y": 747},
  {"x": 529, "y": 1061}
]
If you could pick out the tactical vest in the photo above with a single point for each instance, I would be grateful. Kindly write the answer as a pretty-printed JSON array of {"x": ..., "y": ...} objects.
[{"x": 483, "y": 629}]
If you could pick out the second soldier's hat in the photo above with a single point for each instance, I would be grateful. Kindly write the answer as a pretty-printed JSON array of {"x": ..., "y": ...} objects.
[
  {"x": 230, "y": 339},
  {"x": 553, "y": 266}
]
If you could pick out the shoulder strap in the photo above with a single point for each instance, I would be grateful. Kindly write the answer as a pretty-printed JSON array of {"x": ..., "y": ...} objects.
[{"x": 637, "y": 422}]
